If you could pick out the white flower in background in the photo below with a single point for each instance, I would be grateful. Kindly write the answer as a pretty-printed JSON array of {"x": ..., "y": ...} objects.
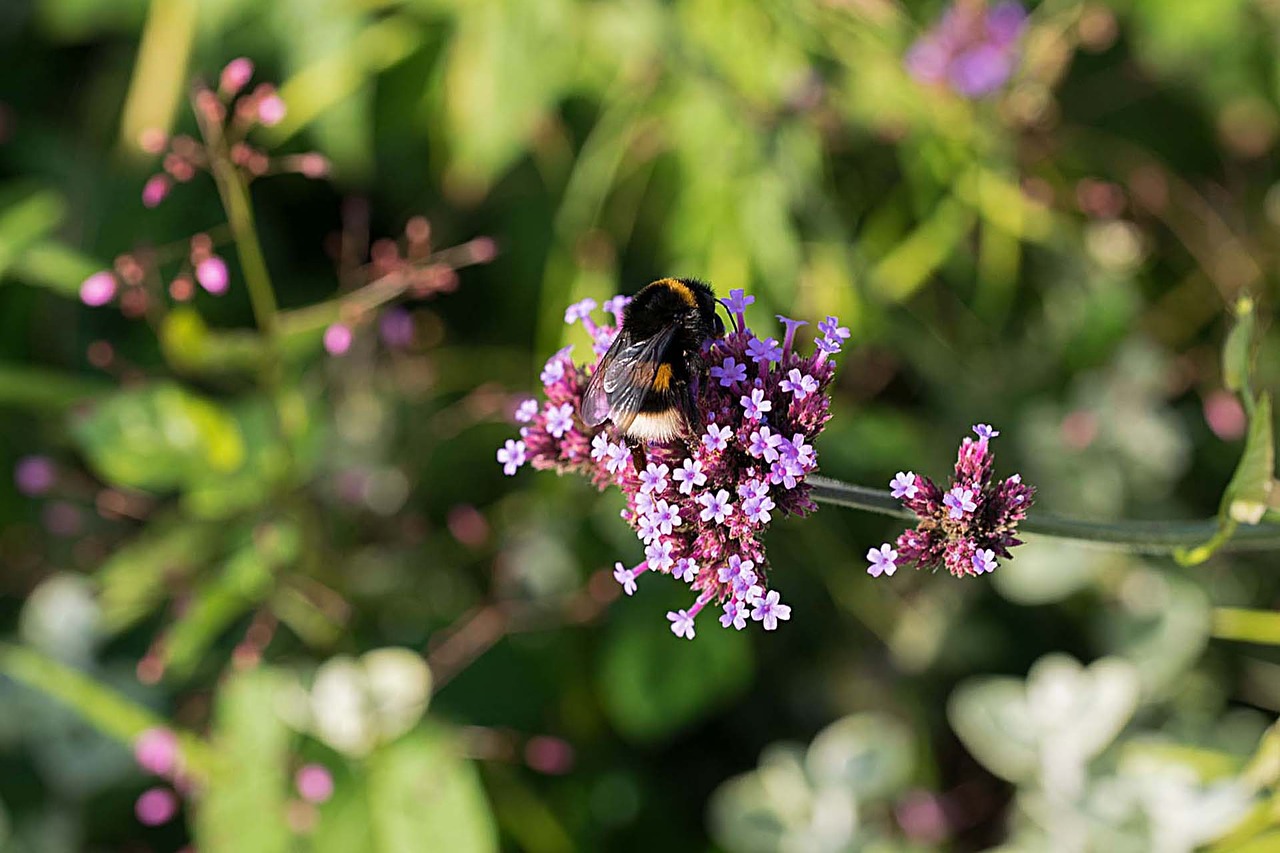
[
  {"x": 355, "y": 704},
  {"x": 61, "y": 617}
]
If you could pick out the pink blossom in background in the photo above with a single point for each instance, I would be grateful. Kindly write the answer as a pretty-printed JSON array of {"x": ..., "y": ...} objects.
[
  {"x": 212, "y": 275},
  {"x": 155, "y": 189},
  {"x": 551, "y": 755},
  {"x": 236, "y": 75},
  {"x": 156, "y": 751},
  {"x": 34, "y": 475},
  {"x": 156, "y": 806},
  {"x": 337, "y": 339},
  {"x": 98, "y": 289},
  {"x": 271, "y": 110},
  {"x": 1225, "y": 416},
  {"x": 314, "y": 783}
]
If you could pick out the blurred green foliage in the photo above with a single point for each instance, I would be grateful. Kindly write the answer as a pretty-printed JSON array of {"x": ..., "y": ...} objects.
[{"x": 290, "y": 557}]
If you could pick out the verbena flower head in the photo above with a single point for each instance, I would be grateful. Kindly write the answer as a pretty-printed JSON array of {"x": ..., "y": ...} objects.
[
  {"x": 699, "y": 505},
  {"x": 968, "y": 527},
  {"x": 971, "y": 50}
]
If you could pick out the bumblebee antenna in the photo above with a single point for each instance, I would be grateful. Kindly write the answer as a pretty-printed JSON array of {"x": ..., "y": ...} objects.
[{"x": 732, "y": 324}]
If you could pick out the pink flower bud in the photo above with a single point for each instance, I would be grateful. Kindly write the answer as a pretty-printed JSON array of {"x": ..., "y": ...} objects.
[
  {"x": 314, "y": 783},
  {"x": 98, "y": 289},
  {"x": 212, "y": 275},
  {"x": 337, "y": 339},
  {"x": 152, "y": 140},
  {"x": 154, "y": 190},
  {"x": 313, "y": 165},
  {"x": 271, "y": 110},
  {"x": 156, "y": 806},
  {"x": 156, "y": 751},
  {"x": 236, "y": 75}
]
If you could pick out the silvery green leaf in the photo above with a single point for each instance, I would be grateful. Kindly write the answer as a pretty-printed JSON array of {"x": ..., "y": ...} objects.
[{"x": 868, "y": 754}]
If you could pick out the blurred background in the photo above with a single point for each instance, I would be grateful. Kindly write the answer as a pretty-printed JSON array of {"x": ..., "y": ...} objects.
[{"x": 264, "y": 587}]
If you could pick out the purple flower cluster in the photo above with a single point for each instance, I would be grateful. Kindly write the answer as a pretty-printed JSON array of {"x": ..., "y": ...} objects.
[
  {"x": 964, "y": 528},
  {"x": 972, "y": 49},
  {"x": 699, "y": 506}
]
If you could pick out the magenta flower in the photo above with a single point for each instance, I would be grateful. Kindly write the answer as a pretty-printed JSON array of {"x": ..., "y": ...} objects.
[
  {"x": 156, "y": 751},
  {"x": 337, "y": 339},
  {"x": 211, "y": 273},
  {"x": 745, "y": 466},
  {"x": 971, "y": 524},
  {"x": 972, "y": 50},
  {"x": 155, "y": 189},
  {"x": 35, "y": 475},
  {"x": 98, "y": 289},
  {"x": 156, "y": 806},
  {"x": 314, "y": 783}
]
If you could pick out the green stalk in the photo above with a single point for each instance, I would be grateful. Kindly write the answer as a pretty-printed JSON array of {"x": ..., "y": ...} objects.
[{"x": 1142, "y": 537}]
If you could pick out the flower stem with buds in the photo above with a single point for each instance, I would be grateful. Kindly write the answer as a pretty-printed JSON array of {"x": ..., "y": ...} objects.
[{"x": 1142, "y": 537}]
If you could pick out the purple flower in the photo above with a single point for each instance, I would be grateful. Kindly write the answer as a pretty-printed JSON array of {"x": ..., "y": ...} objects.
[
  {"x": 717, "y": 437},
  {"x": 689, "y": 475},
  {"x": 757, "y": 509},
  {"x": 882, "y": 561},
  {"x": 618, "y": 457},
  {"x": 764, "y": 443},
  {"x": 803, "y": 454},
  {"x": 769, "y": 610},
  {"x": 34, "y": 475},
  {"x": 959, "y": 501},
  {"x": 734, "y": 614},
  {"x": 833, "y": 331},
  {"x": 952, "y": 533},
  {"x": 735, "y": 568},
  {"x": 666, "y": 516},
  {"x": 715, "y": 506},
  {"x": 554, "y": 370},
  {"x": 527, "y": 411},
  {"x": 685, "y": 570},
  {"x": 396, "y": 328},
  {"x": 789, "y": 338},
  {"x": 600, "y": 447},
  {"x": 729, "y": 372},
  {"x": 985, "y": 432},
  {"x": 681, "y": 623},
  {"x": 753, "y": 488},
  {"x": 737, "y": 304},
  {"x": 559, "y": 419},
  {"x": 579, "y": 311},
  {"x": 616, "y": 306},
  {"x": 511, "y": 455},
  {"x": 648, "y": 528},
  {"x": 658, "y": 556},
  {"x": 800, "y": 385},
  {"x": 756, "y": 405},
  {"x": 653, "y": 478},
  {"x": 972, "y": 50},
  {"x": 904, "y": 485},
  {"x": 764, "y": 351},
  {"x": 626, "y": 577}
]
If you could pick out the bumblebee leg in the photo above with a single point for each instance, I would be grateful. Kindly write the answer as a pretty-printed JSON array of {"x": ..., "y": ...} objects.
[{"x": 638, "y": 456}]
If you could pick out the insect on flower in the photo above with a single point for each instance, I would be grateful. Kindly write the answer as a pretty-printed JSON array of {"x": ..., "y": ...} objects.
[
  {"x": 648, "y": 381},
  {"x": 705, "y": 474}
]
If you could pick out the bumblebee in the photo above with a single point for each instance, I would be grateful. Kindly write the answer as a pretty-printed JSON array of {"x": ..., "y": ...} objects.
[{"x": 648, "y": 381}]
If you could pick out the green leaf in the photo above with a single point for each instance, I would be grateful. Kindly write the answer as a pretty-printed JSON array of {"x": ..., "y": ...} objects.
[
  {"x": 134, "y": 579},
  {"x": 36, "y": 388},
  {"x": 26, "y": 216},
  {"x": 191, "y": 346},
  {"x": 100, "y": 706},
  {"x": 245, "y": 581},
  {"x": 1237, "y": 350},
  {"x": 55, "y": 267},
  {"x": 159, "y": 437},
  {"x": 655, "y": 684},
  {"x": 1249, "y": 491},
  {"x": 244, "y": 803},
  {"x": 415, "y": 794}
]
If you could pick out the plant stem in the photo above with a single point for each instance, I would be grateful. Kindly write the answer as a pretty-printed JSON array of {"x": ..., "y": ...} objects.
[
  {"x": 235, "y": 198},
  {"x": 1143, "y": 537}
]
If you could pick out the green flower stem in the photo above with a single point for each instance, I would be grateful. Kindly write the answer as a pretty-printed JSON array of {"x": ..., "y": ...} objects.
[
  {"x": 1142, "y": 537},
  {"x": 239, "y": 208}
]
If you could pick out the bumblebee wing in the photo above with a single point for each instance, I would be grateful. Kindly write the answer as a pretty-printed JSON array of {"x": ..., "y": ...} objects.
[{"x": 622, "y": 379}]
